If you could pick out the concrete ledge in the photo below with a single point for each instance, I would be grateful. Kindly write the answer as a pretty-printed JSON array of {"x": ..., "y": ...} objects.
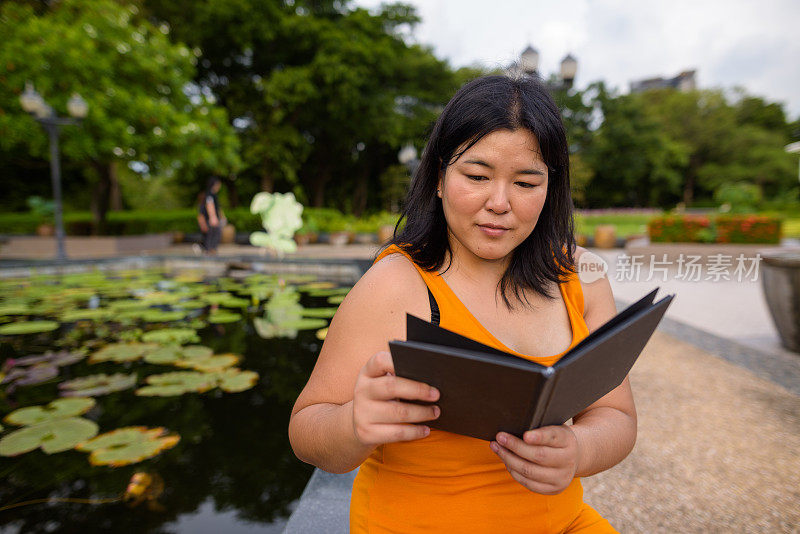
[
  {"x": 83, "y": 247},
  {"x": 324, "y": 505}
]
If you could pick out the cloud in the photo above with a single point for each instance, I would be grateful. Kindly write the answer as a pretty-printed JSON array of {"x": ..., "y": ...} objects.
[{"x": 737, "y": 42}]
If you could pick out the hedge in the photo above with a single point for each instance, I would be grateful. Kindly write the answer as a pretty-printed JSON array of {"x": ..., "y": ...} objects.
[
  {"x": 154, "y": 222},
  {"x": 716, "y": 229}
]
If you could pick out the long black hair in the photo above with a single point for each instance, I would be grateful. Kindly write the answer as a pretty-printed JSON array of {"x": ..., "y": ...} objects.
[{"x": 480, "y": 107}]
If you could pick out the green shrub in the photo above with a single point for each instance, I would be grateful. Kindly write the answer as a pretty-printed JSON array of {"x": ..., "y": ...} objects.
[{"x": 742, "y": 197}]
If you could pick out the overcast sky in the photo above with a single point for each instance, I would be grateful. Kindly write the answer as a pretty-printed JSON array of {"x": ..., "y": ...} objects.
[{"x": 752, "y": 43}]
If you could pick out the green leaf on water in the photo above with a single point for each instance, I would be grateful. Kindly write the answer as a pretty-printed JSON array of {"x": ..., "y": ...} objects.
[
  {"x": 304, "y": 324},
  {"x": 122, "y": 352},
  {"x": 319, "y": 312},
  {"x": 14, "y": 309},
  {"x": 96, "y": 314},
  {"x": 336, "y": 299},
  {"x": 176, "y": 383},
  {"x": 210, "y": 363},
  {"x": 235, "y": 380},
  {"x": 161, "y": 316},
  {"x": 168, "y": 336},
  {"x": 171, "y": 354},
  {"x": 27, "y": 327},
  {"x": 128, "y": 445},
  {"x": 52, "y": 436},
  {"x": 57, "y": 409},
  {"x": 99, "y": 384},
  {"x": 222, "y": 316}
]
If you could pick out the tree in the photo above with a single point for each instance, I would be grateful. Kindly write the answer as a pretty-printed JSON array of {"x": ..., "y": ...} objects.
[
  {"x": 321, "y": 93},
  {"x": 142, "y": 106},
  {"x": 634, "y": 161}
]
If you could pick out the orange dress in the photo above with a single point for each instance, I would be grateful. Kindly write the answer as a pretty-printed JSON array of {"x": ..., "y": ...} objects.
[{"x": 447, "y": 482}]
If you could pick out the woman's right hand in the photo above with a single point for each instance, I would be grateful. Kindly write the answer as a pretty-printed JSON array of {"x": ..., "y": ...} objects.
[{"x": 379, "y": 413}]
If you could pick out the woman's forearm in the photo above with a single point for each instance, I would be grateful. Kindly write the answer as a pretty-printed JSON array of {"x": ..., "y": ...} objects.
[
  {"x": 322, "y": 435},
  {"x": 605, "y": 437}
]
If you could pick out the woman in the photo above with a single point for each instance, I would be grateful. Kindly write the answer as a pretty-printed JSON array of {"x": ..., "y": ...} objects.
[{"x": 488, "y": 251}]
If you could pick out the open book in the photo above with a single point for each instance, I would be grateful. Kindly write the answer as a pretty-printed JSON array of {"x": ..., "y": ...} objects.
[{"x": 484, "y": 390}]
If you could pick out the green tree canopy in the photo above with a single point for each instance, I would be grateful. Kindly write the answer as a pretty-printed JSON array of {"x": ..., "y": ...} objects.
[{"x": 142, "y": 104}]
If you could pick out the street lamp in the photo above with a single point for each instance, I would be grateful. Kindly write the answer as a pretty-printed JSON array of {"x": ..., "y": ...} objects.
[
  {"x": 33, "y": 103},
  {"x": 529, "y": 64},
  {"x": 408, "y": 157}
]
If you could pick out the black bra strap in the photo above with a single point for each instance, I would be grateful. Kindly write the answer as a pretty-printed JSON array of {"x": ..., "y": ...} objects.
[{"x": 434, "y": 308}]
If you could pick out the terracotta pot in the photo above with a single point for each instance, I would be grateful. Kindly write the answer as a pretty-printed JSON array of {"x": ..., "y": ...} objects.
[
  {"x": 604, "y": 236},
  {"x": 365, "y": 239},
  {"x": 339, "y": 238},
  {"x": 228, "y": 234},
  {"x": 302, "y": 239},
  {"x": 45, "y": 230},
  {"x": 780, "y": 280}
]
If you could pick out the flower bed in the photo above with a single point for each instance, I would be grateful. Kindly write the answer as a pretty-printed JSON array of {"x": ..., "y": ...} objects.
[{"x": 715, "y": 229}]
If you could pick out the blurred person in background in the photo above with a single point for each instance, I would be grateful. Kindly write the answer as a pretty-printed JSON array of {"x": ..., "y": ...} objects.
[{"x": 212, "y": 216}]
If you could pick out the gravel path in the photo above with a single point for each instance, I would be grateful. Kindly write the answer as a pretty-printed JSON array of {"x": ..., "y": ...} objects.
[{"x": 718, "y": 449}]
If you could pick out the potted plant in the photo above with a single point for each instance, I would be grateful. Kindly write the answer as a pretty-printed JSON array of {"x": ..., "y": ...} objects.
[
  {"x": 307, "y": 233},
  {"x": 340, "y": 230},
  {"x": 43, "y": 211},
  {"x": 781, "y": 283},
  {"x": 366, "y": 231}
]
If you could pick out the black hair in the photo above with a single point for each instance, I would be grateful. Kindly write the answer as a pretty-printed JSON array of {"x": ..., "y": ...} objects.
[
  {"x": 211, "y": 181},
  {"x": 480, "y": 107}
]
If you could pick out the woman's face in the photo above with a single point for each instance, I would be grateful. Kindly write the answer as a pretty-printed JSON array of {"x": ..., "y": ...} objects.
[{"x": 500, "y": 181}]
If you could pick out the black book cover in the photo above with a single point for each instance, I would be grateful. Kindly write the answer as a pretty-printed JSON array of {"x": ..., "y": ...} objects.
[{"x": 484, "y": 390}]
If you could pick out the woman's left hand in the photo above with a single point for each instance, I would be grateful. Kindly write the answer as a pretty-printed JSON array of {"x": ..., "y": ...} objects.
[{"x": 544, "y": 461}]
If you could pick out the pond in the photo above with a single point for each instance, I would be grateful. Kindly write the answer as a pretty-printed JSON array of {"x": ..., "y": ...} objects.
[{"x": 154, "y": 400}]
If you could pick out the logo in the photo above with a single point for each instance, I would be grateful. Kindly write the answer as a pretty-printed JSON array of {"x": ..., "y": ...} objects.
[{"x": 591, "y": 267}]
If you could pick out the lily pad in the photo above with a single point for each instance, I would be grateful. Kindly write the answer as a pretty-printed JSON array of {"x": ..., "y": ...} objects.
[
  {"x": 14, "y": 309},
  {"x": 122, "y": 352},
  {"x": 190, "y": 304},
  {"x": 304, "y": 324},
  {"x": 336, "y": 299},
  {"x": 97, "y": 314},
  {"x": 236, "y": 380},
  {"x": 27, "y": 327},
  {"x": 176, "y": 383},
  {"x": 161, "y": 316},
  {"x": 313, "y": 286},
  {"x": 321, "y": 333},
  {"x": 216, "y": 298},
  {"x": 330, "y": 292},
  {"x": 29, "y": 376},
  {"x": 319, "y": 312},
  {"x": 59, "y": 359},
  {"x": 171, "y": 354},
  {"x": 57, "y": 409},
  {"x": 167, "y": 336},
  {"x": 99, "y": 384},
  {"x": 210, "y": 363},
  {"x": 221, "y": 316},
  {"x": 235, "y": 302},
  {"x": 128, "y": 445},
  {"x": 52, "y": 436}
]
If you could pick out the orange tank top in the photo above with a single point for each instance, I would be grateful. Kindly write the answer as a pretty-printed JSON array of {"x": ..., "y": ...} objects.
[{"x": 446, "y": 482}]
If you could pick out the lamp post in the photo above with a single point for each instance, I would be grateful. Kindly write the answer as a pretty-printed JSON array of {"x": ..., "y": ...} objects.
[
  {"x": 529, "y": 64},
  {"x": 794, "y": 148},
  {"x": 33, "y": 103}
]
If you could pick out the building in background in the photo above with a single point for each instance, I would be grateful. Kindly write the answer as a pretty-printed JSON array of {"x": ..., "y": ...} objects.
[{"x": 685, "y": 81}]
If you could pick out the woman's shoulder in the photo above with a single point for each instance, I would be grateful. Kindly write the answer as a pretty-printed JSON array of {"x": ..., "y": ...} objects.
[
  {"x": 392, "y": 283},
  {"x": 592, "y": 274}
]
